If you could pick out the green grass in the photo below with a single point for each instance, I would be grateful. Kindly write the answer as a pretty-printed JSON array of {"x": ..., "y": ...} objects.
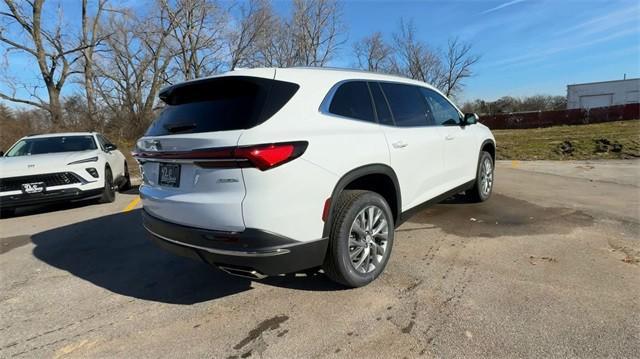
[{"x": 543, "y": 143}]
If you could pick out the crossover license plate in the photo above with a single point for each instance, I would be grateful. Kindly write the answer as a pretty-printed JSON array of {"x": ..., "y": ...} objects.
[
  {"x": 169, "y": 174},
  {"x": 36, "y": 187}
]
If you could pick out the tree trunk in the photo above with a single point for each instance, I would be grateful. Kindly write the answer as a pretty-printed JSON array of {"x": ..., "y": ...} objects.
[{"x": 55, "y": 109}]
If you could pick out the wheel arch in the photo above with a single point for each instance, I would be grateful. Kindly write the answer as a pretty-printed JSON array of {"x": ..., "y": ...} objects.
[
  {"x": 378, "y": 178},
  {"x": 489, "y": 145}
]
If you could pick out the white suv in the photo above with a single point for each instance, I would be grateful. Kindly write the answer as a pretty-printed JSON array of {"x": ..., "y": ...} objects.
[
  {"x": 269, "y": 171},
  {"x": 57, "y": 167}
]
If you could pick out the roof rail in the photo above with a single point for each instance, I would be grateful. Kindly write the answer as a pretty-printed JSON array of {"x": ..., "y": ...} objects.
[{"x": 346, "y": 69}]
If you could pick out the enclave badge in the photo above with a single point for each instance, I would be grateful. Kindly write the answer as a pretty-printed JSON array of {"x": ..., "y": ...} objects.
[{"x": 152, "y": 145}]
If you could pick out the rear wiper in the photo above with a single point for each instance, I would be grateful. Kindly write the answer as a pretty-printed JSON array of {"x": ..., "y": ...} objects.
[{"x": 179, "y": 127}]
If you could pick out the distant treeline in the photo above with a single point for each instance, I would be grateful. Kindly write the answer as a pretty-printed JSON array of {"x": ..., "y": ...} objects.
[{"x": 509, "y": 104}]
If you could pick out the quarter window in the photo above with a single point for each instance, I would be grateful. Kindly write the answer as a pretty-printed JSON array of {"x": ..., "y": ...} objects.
[
  {"x": 407, "y": 105},
  {"x": 443, "y": 112},
  {"x": 352, "y": 99}
]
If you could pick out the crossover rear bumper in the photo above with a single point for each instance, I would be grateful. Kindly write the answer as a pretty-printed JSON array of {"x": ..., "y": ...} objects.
[{"x": 252, "y": 251}]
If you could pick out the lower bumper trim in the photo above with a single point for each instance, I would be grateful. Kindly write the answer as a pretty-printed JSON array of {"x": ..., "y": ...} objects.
[
  {"x": 252, "y": 253},
  {"x": 268, "y": 253},
  {"x": 61, "y": 195}
]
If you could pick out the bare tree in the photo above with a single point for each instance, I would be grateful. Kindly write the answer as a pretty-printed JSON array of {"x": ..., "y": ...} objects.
[
  {"x": 92, "y": 37},
  {"x": 374, "y": 54},
  {"x": 135, "y": 68},
  {"x": 276, "y": 50},
  {"x": 198, "y": 34},
  {"x": 252, "y": 25},
  {"x": 50, "y": 49},
  {"x": 458, "y": 61},
  {"x": 317, "y": 26},
  {"x": 415, "y": 58}
]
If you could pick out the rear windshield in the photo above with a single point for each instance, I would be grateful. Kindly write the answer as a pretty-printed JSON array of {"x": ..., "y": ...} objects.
[
  {"x": 221, "y": 104},
  {"x": 38, "y": 146}
]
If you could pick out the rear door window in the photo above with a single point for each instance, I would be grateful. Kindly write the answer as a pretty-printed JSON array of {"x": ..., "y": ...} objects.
[
  {"x": 220, "y": 104},
  {"x": 407, "y": 105},
  {"x": 352, "y": 99}
]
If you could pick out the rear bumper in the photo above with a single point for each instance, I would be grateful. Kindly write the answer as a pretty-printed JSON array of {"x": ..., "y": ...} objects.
[
  {"x": 61, "y": 195},
  {"x": 251, "y": 250}
]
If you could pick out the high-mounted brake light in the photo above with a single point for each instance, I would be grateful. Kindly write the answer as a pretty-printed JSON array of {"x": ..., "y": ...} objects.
[{"x": 263, "y": 156}]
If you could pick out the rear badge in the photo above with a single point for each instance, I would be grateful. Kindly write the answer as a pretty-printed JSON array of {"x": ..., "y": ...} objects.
[
  {"x": 152, "y": 145},
  {"x": 227, "y": 180}
]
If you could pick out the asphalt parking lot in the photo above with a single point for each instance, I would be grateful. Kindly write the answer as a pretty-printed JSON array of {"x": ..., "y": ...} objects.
[{"x": 547, "y": 267}]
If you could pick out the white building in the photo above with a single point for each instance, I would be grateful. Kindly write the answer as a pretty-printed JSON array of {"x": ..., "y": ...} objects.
[{"x": 602, "y": 94}]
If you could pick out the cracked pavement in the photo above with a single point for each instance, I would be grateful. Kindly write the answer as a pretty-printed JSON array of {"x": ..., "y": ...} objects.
[{"x": 548, "y": 267}]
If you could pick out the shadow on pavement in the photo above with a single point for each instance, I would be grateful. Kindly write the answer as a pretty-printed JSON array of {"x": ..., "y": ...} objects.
[
  {"x": 114, "y": 253},
  {"x": 133, "y": 190},
  {"x": 52, "y": 207}
]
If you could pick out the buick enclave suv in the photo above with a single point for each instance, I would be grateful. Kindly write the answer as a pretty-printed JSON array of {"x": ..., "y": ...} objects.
[{"x": 269, "y": 171}]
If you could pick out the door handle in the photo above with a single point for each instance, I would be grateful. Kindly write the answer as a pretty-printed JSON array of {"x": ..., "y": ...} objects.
[
  {"x": 449, "y": 137},
  {"x": 399, "y": 144}
]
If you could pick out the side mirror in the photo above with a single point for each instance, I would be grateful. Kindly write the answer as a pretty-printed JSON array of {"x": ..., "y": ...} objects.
[
  {"x": 110, "y": 147},
  {"x": 1, "y": 153},
  {"x": 470, "y": 119}
]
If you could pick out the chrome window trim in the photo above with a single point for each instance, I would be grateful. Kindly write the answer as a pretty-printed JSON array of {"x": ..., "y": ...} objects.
[
  {"x": 183, "y": 160},
  {"x": 326, "y": 102}
]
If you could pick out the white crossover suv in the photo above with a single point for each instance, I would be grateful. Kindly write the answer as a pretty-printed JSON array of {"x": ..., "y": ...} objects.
[
  {"x": 268, "y": 171},
  {"x": 60, "y": 167}
]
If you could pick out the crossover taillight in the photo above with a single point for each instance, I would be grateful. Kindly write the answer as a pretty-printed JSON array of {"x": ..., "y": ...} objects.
[
  {"x": 269, "y": 156},
  {"x": 263, "y": 156}
]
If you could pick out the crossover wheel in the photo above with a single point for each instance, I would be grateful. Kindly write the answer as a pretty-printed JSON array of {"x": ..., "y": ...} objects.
[
  {"x": 483, "y": 186},
  {"x": 109, "y": 192},
  {"x": 361, "y": 238}
]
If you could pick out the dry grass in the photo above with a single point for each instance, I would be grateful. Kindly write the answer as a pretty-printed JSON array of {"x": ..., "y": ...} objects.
[
  {"x": 126, "y": 147},
  {"x": 544, "y": 143}
]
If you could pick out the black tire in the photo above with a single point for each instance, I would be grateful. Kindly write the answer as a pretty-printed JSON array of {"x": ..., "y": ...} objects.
[
  {"x": 7, "y": 212},
  {"x": 478, "y": 193},
  {"x": 338, "y": 265},
  {"x": 126, "y": 185},
  {"x": 109, "y": 192}
]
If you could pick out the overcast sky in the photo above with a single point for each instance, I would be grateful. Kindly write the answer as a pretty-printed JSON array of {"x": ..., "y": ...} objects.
[{"x": 527, "y": 46}]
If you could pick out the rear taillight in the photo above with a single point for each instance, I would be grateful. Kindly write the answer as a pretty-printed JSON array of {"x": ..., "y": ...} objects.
[
  {"x": 269, "y": 156},
  {"x": 263, "y": 157}
]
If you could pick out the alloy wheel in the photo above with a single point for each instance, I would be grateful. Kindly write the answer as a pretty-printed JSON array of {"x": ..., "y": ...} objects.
[
  {"x": 486, "y": 177},
  {"x": 368, "y": 239}
]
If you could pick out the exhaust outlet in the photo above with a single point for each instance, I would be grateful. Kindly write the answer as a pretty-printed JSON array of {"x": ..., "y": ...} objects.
[{"x": 241, "y": 272}]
